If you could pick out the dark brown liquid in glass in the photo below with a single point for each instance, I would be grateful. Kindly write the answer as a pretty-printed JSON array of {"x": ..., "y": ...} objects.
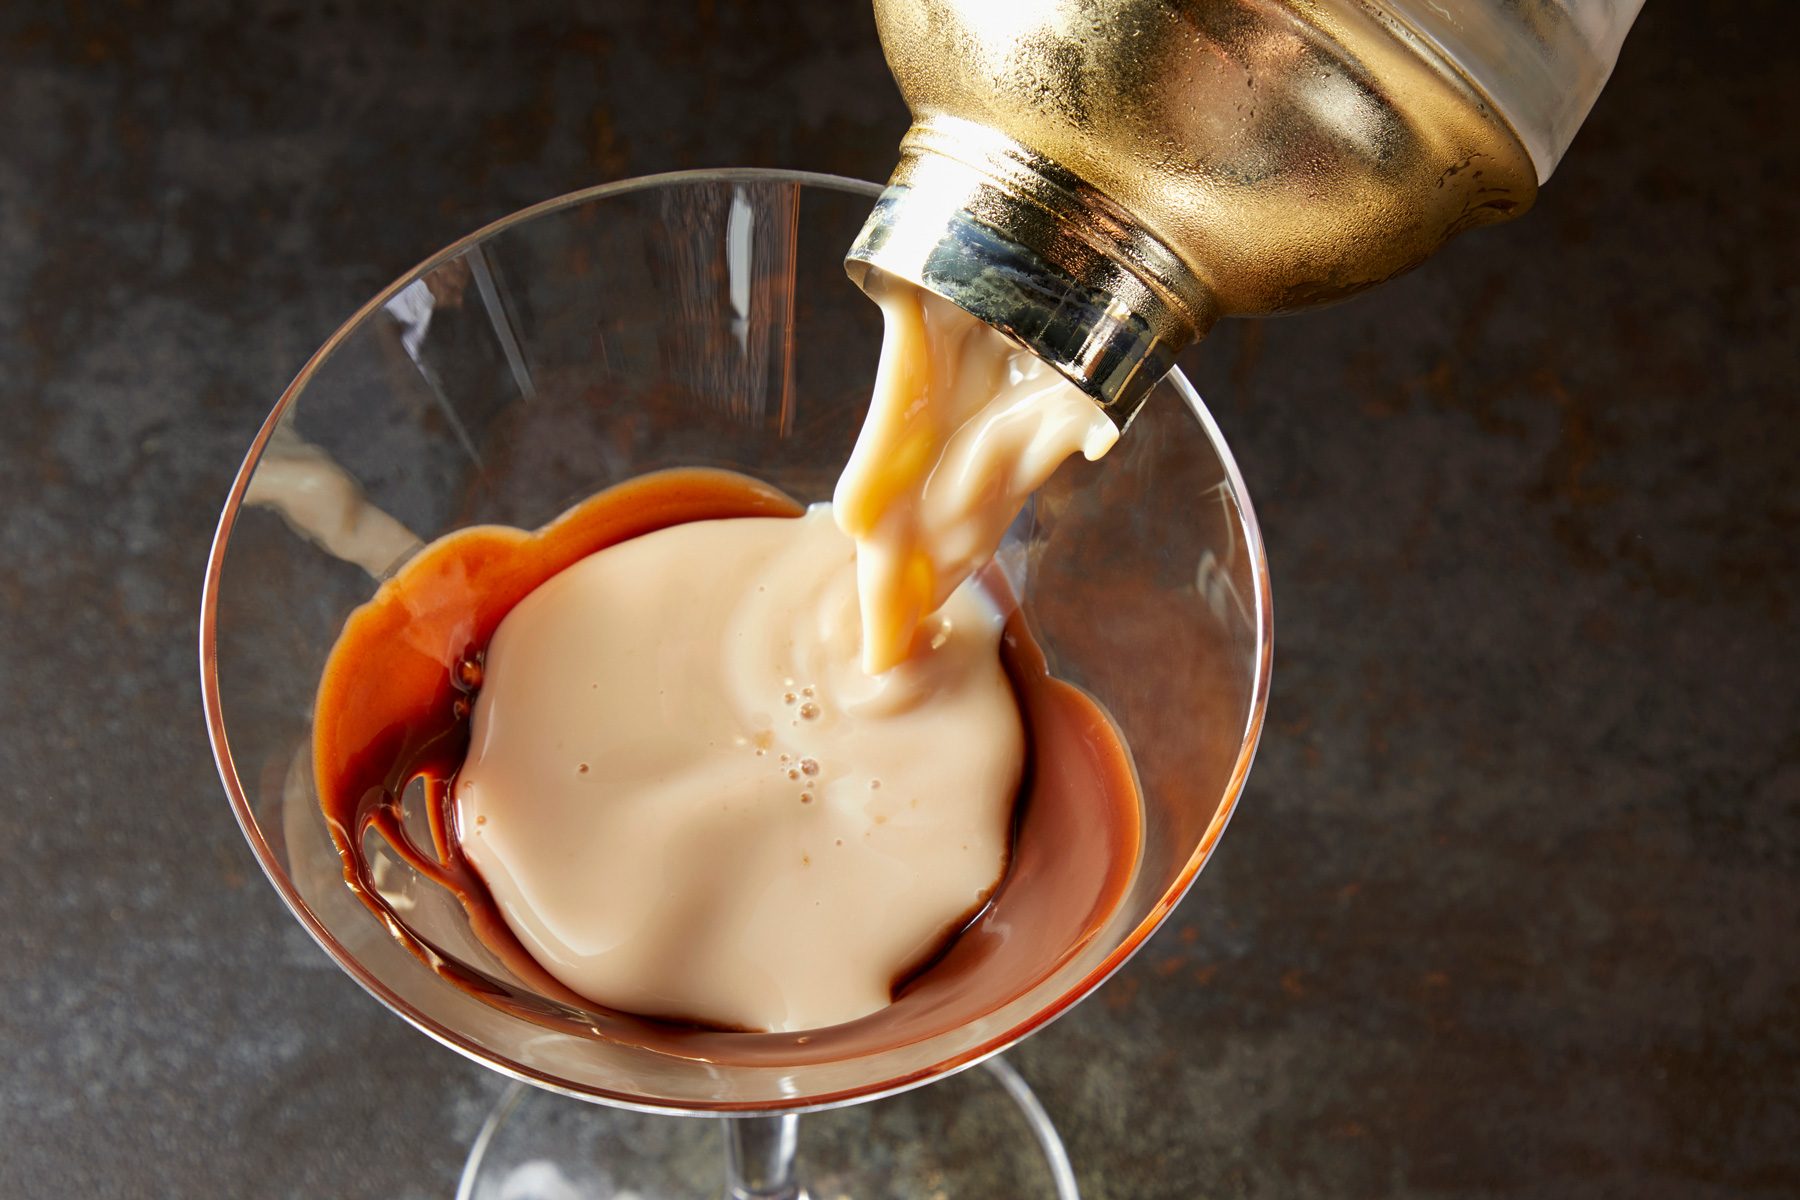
[{"x": 393, "y": 710}]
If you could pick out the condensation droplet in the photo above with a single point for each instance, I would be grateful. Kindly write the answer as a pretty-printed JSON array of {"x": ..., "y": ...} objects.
[
  {"x": 874, "y": 785},
  {"x": 806, "y": 797},
  {"x": 582, "y": 769},
  {"x": 789, "y": 698},
  {"x": 793, "y": 773},
  {"x": 806, "y": 691},
  {"x": 809, "y": 711},
  {"x": 809, "y": 766}
]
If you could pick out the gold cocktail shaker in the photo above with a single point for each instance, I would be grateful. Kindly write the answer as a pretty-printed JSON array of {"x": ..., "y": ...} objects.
[{"x": 1104, "y": 179}]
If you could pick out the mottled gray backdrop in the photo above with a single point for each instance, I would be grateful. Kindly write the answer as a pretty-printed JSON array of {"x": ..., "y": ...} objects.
[{"x": 1510, "y": 908}]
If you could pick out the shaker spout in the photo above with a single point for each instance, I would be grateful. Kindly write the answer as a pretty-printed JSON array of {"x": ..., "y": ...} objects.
[{"x": 1025, "y": 246}]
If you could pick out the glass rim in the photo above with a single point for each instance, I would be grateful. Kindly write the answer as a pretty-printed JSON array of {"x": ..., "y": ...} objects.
[{"x": 453, "y": 1039}]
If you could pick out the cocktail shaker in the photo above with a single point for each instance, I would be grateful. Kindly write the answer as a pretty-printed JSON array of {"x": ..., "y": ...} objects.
[{"x": 1103, "y": 180}]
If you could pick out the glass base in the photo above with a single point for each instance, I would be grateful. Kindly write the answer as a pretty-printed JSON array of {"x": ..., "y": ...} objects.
[{"x": 980, "y": 1133}]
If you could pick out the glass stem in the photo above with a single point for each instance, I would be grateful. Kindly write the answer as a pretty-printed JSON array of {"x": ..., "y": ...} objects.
[{"x": 759, "y": 1158}]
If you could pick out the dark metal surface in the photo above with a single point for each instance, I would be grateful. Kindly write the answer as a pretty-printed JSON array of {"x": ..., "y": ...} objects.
[{"x": 1510, "y": 907}]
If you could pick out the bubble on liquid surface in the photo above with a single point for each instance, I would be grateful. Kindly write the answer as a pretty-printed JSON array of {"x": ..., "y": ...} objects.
[
  {"x": 468, "y": 671},
  {"x": 809, "y": 766},
  {"x": 809, "y": 711}
]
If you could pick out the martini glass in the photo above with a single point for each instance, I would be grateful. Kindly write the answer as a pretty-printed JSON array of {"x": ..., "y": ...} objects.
[{"x": 704, "y": 319}]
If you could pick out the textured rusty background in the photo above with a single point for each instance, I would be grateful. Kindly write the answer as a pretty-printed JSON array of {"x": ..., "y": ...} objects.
[{"x": 1510, "y": 909}]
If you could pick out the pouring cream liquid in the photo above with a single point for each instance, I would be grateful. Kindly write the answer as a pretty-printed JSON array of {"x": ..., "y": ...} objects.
[
  {"x": 963, "y": 427},
  {"x": 690, "y": 801},
  {"x": 753, "y": 772}
]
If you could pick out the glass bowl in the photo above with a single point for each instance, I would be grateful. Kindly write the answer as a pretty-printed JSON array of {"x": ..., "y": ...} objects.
[{"x": 694, "y": 319}]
